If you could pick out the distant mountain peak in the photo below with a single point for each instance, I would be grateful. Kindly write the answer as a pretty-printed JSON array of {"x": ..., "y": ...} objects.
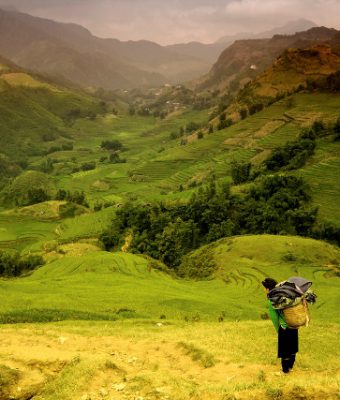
[
  {"x": 288, "y": 28},
  {"x": 234, "y": 69}
]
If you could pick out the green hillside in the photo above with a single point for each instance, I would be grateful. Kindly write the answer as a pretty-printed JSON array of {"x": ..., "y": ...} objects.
[
  {"x": 102, "y": 283},
  {"x": 35, "y": 113},
  {"x": 157, "y": 167},
  {"x": 64, "y": 137}
]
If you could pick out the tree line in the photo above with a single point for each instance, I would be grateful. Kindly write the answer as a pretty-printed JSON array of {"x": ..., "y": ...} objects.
[
  {"x": 276, "y": 204},
  {"x": 13, "y": 264}
]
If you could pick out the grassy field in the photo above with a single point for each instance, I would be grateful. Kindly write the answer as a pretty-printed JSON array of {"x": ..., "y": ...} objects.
[
  {"x": 157, "y": 360},
  {"x": 142, "y": 334},
  {"x": 78, "y": 274}
]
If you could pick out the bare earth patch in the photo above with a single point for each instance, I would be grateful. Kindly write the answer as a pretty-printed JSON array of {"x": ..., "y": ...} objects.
[
  {"x": 269, "y": 128},
  {"x": 53, "y": 362}
]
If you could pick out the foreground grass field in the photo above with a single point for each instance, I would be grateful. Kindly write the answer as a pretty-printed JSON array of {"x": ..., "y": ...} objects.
[{"x": 152, "y": 360}]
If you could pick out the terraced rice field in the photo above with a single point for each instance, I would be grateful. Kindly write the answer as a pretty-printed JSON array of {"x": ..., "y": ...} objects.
[
  {"x": 19, "y": 232},
  {"x": 157, "y": 166},
  {"x": 325, "y": 182},
  {"x": 129, "y": 282}
]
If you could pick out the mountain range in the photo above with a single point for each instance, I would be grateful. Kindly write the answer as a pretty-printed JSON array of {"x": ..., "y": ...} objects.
[{"x": 72, "y": 55}]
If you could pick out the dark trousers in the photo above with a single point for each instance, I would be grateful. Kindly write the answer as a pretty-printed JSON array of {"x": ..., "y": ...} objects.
[
  {"x": 287, "y": 363},
  {"x": 288, "y": 346}
]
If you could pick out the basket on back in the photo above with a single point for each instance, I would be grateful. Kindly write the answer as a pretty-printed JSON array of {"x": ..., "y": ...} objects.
[
  {"x": 297, "y": 315},
  {"x": 291, "y": 297}
]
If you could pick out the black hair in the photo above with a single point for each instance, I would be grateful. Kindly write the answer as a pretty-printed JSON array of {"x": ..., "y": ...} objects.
[{"x": 269, "y": 283}]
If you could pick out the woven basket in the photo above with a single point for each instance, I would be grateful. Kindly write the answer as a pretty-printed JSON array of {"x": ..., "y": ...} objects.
[{"x": 297, "y": 316}]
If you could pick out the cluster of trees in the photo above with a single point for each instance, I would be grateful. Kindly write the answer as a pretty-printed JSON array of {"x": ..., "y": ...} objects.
[
  {"x": 240, "y": 172},
  {"x": 67, "y": 146},
  {"x": 331, "y": 83},
  {"x": 85, "y": 166},
  {"x": 327, "y": 231},
  {"x": 37, "y": 195},
  {"x": 145, "y": 111},
  {"x": 112, "y": 145},
  {"x": 224, "y": 122},
  {"x": 12, "y": 264},
  {"x": 72, "y": 197},
  {"x": 190, "y": 127},
  {"x": 116, "y": 159},
  {"x": 292, "y": 155},
  {"x": 276, "y": 204},
  {"x": 77, "y": 113}
]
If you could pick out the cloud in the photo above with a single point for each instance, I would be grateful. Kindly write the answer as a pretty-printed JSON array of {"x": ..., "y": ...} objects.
[
  {"x": 170, "y": 21},
  {"x": 323, "y": 12}
]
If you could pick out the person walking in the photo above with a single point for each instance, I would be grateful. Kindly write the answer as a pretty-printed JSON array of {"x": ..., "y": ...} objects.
[{"x": 288, "y": 339}]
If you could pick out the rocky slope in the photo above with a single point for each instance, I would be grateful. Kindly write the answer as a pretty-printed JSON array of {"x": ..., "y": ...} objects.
[{"x": 246, "y": 59}]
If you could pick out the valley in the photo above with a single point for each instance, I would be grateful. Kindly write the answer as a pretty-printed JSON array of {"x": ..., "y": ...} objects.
[{"x": 139, "y": 217}]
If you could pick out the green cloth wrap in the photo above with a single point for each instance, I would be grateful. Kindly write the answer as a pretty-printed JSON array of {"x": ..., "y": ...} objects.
[{"x": 277, "y": 317}]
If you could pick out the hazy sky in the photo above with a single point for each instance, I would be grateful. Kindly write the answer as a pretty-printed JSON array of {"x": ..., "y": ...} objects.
[{"x": 174, "y": 21}]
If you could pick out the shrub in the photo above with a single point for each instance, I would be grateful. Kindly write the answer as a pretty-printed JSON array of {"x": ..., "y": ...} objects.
[
  {"x": 199, "y": 266},
  {"x": 115, "y": 159},
  {"x": 67, "y": 146},
  {"x": 240, "y": 172},
  {"x": 37, "y": 195},
  {"x": 88, "y": 166},
  {"x": 318, "y": 127},
  {"x": 224, "y": 124},
  {"x": 254, "y": 108},
  {"x": 68, "y": 210},
  {"x": 49, "y": 137},
  {"x": 12, "y": 264},
  {"x": 243, "y": 113},
  {"x": 192, "y": 126},
  {"x": 111, "y": 145},
  {"x": 293, "y": 155}
]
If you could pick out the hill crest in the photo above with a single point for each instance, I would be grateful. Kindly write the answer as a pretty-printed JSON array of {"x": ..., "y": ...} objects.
[{"x": 245, "y": 59}]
